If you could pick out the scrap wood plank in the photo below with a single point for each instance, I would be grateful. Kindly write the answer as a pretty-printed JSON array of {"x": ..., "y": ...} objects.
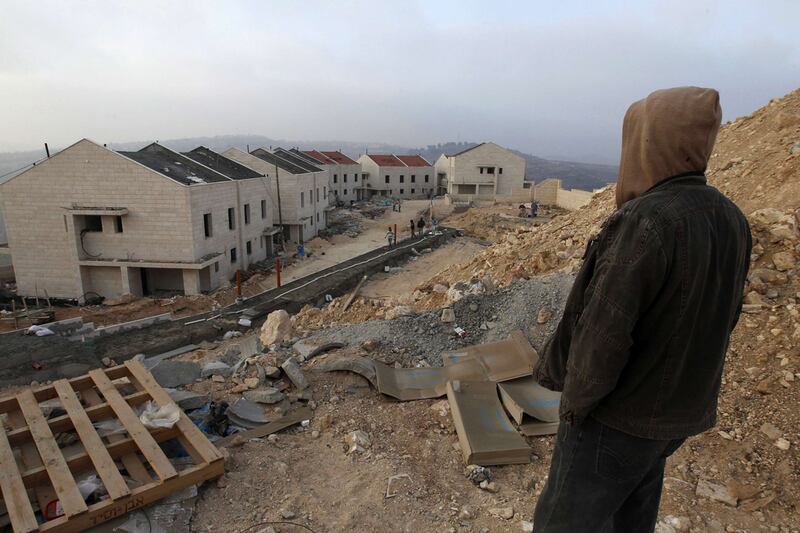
[
  {"x": 80, "y": 461},
  {"x": 139, "y": 497},
  {"x": 30, "y": 459},
  {"x": 291, "y": 419},
  {"x": 102, "y": 461},
  {"x": 99, "y": 411},
  {"x": 14, "y": 493},
  {"x": 130, "y": 461},
  {"x": 198, "y": 441},
  {"x": 354, "y": 293},
  {"x": 64, "y": 484},
  {"x": 147, "y": 445},
  {"x": 47, "y": 392}
]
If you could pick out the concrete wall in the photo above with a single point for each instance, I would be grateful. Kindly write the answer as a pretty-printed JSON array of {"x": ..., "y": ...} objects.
[
  {"x": 343, "y": 182},
  {"x": 215, "y": 199},
  {"x": 549, "y": 192},
  {"x": 105, "y": 281}
]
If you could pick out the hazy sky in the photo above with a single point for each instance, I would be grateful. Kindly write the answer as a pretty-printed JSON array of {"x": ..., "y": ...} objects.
[{"x": 549, "y": 78}]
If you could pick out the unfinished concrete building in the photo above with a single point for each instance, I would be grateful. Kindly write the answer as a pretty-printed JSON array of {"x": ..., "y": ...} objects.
[
  {"x": 484, "y": 172},
  {"x": 299, "y": 192},
  {"x": 90, "y": 220},
  {"x": 344, "y": 175},
  {"x": 397, "y": 176}
]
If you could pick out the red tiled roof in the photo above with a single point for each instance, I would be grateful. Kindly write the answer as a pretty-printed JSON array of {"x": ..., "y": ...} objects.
[
  {"x": 413, "y": 160},
  {"x": 339, "y": 157},
  {"x": 319, "y": 156},
  {"x": 386, "y": 160}
]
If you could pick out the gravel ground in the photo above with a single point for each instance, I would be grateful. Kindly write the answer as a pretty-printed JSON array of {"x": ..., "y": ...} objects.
[{"x": 408, "y": 339}]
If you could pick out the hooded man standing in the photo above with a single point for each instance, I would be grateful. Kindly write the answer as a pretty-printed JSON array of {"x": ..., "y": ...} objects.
[{"x": 639, "y": 351}]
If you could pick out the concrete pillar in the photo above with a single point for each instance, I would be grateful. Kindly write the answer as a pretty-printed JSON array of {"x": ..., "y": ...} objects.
[
  {"x": 191, "y": 282},
  {"x": 126, "y": 280}
]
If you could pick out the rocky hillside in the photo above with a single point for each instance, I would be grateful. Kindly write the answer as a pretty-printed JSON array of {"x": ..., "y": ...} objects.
[{"x": 756, "y": 161}]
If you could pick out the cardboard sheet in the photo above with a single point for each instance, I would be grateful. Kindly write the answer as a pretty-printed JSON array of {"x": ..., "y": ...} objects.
[
  {"x": 524, "y": 396},
  {"x": 485, "y": 433},
  {"x": 501, "y": 361}
]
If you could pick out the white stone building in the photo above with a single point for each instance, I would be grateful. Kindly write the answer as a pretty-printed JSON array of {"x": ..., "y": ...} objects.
[
  {"x": 90, "y": 220},
  {"x": 484, "y": 172},
  {"x": 403, "y": 176},
  {"x": 299, "y": 192},
  {"x": 344, "y": 174}
]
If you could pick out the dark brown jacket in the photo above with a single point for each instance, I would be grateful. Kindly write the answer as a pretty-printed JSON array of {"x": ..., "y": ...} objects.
[{"x": 642, "y": 341}]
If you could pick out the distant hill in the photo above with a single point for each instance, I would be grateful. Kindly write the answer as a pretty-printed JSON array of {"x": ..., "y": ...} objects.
[
  {"x": 574, "y": 175},
  {"x": 586, "y": 176}
]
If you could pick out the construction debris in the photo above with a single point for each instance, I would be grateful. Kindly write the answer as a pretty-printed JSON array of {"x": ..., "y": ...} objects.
[
  {"x": 485, "y": 433},
  {"x": 293, "y": 372},
  {"x": 78, "y": 509}
]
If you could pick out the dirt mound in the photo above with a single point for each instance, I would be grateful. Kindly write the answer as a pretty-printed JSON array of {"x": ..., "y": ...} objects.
[
  {"x": 756, "y": 160},
  {"x": 493, "y": 223}
]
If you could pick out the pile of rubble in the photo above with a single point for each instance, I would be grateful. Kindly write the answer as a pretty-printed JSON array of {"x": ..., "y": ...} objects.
[{"x": 344, "y": 222}]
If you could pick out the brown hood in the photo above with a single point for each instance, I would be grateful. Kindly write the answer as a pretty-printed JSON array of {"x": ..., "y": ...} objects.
[{"x": 670, "y": 132}]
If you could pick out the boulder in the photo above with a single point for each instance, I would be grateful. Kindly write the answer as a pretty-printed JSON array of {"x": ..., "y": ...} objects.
[
  {"x": 187, "y": 400},
  {"x": 272, "y": 372},
  {"x": 175, "y": 373},
  {"x": 277, "y": 328},
  {"x": 215, "y": 368},
  {"x": 765, "y": 217},
  {"x": 783, "y": 261},
  {"x": 292, "y": 370},
  {"x": 544, "y": 316},
  {"x": 713, "y": 491},
  {"x": 448, "y": 315},
  {"x": 269, "y": 395},
  {"x": 400, "y": 310}
]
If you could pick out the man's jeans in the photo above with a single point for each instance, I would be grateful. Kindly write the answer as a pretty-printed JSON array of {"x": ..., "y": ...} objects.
[{"x": 602, "y": 480}]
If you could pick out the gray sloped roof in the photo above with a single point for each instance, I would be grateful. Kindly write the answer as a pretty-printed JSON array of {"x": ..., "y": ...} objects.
[
  {"x": 280, "y": 162},
  {"x": 296, "y": 159},
  {"x": 174, "y": 165},
  {"x": 222, "y": 164}
]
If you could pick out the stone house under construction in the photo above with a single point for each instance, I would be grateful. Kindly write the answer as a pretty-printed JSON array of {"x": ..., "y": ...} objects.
[
  {"x": 90, "y": 220},
  {"x": 484, "y": 172},
  {"x": 344, "y": 174},
  {"x": 397, "y": 176},
  {"x": 302, "y": 205}
]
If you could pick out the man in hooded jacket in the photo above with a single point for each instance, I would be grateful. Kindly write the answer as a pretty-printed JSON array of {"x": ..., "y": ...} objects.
[{"x": 639, "y": 351}]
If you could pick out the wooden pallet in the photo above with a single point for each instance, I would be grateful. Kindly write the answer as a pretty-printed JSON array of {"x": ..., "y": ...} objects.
[{"x": 32, "y": 463}]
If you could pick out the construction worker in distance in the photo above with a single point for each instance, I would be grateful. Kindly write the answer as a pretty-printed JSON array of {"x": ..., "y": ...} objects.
[
  {"x": 413, "y": 226},
  {"x": 522, "y": 212},
  {"x": 639, "y": 352},
  {"x": 421, "y": 226},
  {"x": 390, "y": 236}
]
